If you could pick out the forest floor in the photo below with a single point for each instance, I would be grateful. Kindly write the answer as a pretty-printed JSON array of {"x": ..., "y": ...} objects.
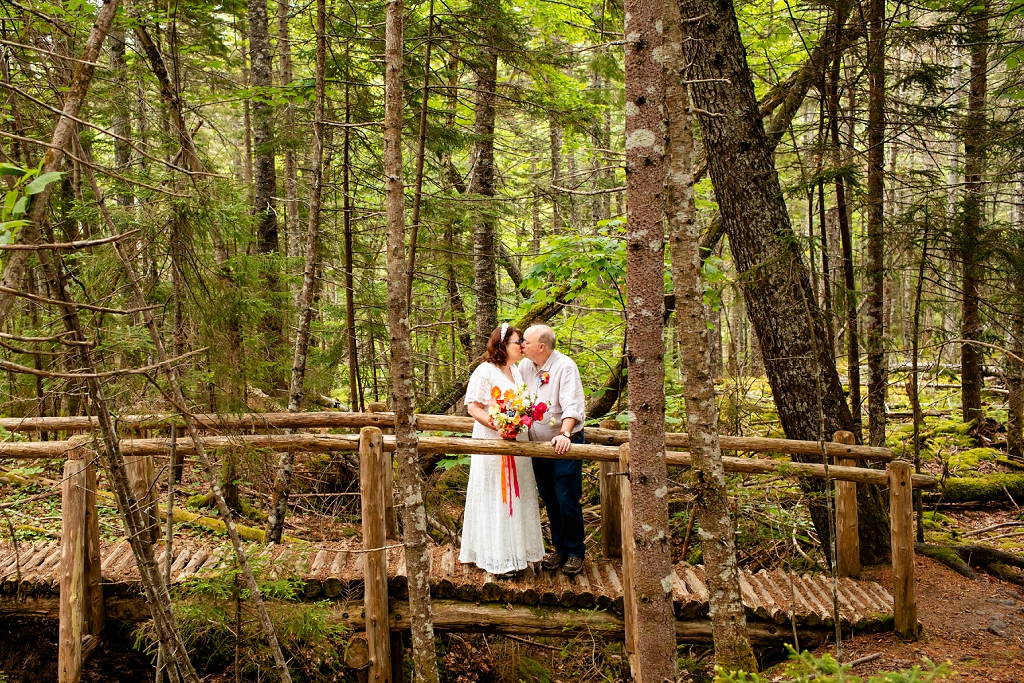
[{"x": 976, "y": 626}]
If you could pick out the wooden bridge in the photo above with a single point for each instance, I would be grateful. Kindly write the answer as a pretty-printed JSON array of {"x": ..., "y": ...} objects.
[
  {"x": 535, "y": 602},
  {"x": 83, "y": 581}
]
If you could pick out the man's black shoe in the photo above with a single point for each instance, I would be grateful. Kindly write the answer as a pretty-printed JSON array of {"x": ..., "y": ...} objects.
[
  {"x": 573, "y": 566},
  {"x": 552, "y": 561}
]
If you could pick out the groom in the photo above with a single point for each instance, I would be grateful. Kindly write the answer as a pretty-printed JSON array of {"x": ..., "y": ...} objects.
[{"x": 555, "y": 379}]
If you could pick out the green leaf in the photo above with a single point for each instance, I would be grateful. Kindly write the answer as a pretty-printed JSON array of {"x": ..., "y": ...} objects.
[
  {"x": 10, "y": 199},
  {"x": 11, "y": 169},
  {"x": 40, "y": 183},
  {"x": 20, "y": 207}
]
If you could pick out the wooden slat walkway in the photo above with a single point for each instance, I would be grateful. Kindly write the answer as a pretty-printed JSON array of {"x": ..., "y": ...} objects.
[{"x": 337, "y": 572}]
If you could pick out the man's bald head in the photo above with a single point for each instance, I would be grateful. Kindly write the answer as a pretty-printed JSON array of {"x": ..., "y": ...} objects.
[
  {"x": 540, "y": 343},
  {"x": 542, "y": 334}
]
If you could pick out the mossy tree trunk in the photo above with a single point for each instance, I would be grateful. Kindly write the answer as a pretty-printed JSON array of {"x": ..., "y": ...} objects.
[{"x": 718, "y": 539}]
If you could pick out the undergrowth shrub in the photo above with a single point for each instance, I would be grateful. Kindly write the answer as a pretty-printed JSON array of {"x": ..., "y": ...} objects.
[
  {"x": 805, "y": 668},
  {"x": 222, "y": 631}
]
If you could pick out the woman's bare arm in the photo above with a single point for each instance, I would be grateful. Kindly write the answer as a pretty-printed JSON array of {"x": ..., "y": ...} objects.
[{"x": 479, "y": 413}]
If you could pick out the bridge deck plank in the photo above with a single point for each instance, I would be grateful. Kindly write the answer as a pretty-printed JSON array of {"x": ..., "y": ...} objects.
[{"x": 336, "y": 572}]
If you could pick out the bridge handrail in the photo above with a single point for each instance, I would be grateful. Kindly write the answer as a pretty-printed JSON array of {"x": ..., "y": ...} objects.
[
  {"x": 449, "y": 445},
  {"x": 426, "y": 423}
]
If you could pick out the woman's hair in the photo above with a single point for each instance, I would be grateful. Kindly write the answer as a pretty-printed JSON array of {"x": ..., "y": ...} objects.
[{"x": 497, "y": 344}]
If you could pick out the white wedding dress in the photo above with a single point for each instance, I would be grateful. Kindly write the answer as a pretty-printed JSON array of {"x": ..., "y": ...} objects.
[{"x": 493, "y": 539}]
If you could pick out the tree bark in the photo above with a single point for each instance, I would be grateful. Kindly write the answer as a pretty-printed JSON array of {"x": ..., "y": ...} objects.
[
  {"x": 874, "y": 324},
  {"x": 121, "y": 120},
  {"x": 293, "y": 238},
  {"x": 718, "y": 540},
  {"x": 846, "y": 240},
  {"x": 306, "y": 295},
  {"x": 974, "y": 135},
  {"x": 654, "y": 657},
  {"x": 1015, "y": 370},
  {"x": 482, "y": 183},
  {"x": 421, "y": 145},
  {"x": 801, "y": 373},
  {"x": 414, "y": 516},
  {"x": 265, "y": 175},
  {"x": 355, "y": 397}
]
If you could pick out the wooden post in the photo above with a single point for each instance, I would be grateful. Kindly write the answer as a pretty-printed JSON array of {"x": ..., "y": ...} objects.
[
  {"x": 847, "y": 538},
  {"x": 141, "y": 472},
  {"x": 611, "y": 504},
  {"x": 72, "y": 570},
  {"x": 95, "y": 613},
  {"x": 901, "y": 511},
  {"x": 372, "y": 475},
  {"x": 390, "y": 512},
  {"x": 628, "y": 562}
]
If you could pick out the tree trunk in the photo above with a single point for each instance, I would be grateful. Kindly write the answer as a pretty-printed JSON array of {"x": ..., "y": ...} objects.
[
  {"x": 291, "y": 174},
  {"x": 482, "y": 183},
  {"x": 1015, "y": 371},
  {"x": 801, "y": 373},
  {"x": 846, "y": 241},
  {"x": 306, "y": 295},
  {"x": 874, "y": 325},
  {"x": 555, "y": 143},
  {"x": 421, "y": 142},
  {"x": 414, "y": 516},
  {"x": 728, "y": 623},
  {"x": 265, "y": 173},
  {"x": 121, "y": 120},
  {"x": 974, "y": 135},
  {"x": 355, "y": 397},
  {"x": 653, "y": 653}
]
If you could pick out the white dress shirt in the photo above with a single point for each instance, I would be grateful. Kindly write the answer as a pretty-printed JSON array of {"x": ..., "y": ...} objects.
[{"x": 563, "y": 394}]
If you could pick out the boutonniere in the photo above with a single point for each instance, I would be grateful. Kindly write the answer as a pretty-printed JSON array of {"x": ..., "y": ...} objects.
[{"x": 543, "y": 378}]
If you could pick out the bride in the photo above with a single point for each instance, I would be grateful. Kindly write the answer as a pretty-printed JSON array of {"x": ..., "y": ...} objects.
[{"x": 499, "y": 536}]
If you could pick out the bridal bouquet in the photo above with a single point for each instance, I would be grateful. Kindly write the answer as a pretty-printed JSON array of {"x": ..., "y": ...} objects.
[{"x": 512, "y": 412}]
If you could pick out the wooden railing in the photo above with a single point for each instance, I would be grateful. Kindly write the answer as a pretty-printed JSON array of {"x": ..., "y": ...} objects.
[{"x": 82, "y": 612}]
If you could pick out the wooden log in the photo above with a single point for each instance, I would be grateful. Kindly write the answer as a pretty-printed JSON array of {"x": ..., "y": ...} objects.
[
  {"x": 490, "y": 591},
  {"x": 611, "y": 503},
  {"x": 585, "y": 597},
  {"x": 72, "y": 572},
  {"x": 357, "y": 652},
  {"x": 566, "y": 594},
  {"x": 901, "y": 511},
  {"x": 847, "y": 537},
  {"x": 432, "y": 445},
  {"x": 445, "y": 587},
  {"x": 95, "y": 614},
  {"x": 629, "y": 612},
  {"x": 141, "y": 472},
  {"x": 372, "y": 466},
  {"x": 253, "y": 422},
  {"x": 390, "y": 512}
]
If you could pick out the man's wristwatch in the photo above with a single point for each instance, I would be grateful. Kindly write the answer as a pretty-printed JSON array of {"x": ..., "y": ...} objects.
[{"x": 565, "y": 434}]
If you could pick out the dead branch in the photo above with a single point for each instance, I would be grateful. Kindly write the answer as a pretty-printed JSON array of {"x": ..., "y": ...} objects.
[
  {"x": 78, "y": 244},
  {"x": 24, "y": 369}
]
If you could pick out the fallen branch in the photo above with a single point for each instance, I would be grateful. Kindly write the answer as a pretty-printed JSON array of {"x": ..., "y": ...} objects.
[
  {"x": 992, "y": 528},
  {"x": 960, "y": 558}
]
